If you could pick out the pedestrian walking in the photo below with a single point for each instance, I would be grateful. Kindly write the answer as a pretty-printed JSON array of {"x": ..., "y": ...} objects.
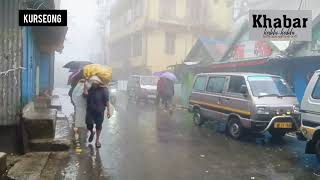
[
  {"x": 168, "y": 93},
  {"x": 97, "y": 102},
  {"x": 160, "y": 90},
  {"x": 73, "y": 80}
]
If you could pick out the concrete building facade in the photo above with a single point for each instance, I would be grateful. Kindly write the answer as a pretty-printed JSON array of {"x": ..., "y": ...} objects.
[{"x": 149, "y": 35}]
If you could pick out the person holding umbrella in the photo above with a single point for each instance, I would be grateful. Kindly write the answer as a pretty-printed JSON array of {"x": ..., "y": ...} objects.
[
  {"x": 168, "y": 94},
  {"x": 160, "y": 89},
  {"x": 73, "y": 80},
  {"x": 168, "y": 89},
  {"x": 75, "y": 67}
]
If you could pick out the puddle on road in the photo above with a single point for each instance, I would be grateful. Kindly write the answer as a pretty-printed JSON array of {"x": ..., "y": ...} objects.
[
  {"x": 85, "y": 162},
  {"x": 71, "y": 171}
]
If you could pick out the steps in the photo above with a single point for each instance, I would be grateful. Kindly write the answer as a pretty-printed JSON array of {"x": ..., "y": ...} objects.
[
  {"x": 60, "y": 142},
  {"x": 48, "y": 136},
  {"x": 46, "y": 128},
  {"x": 39, "y": 122}
]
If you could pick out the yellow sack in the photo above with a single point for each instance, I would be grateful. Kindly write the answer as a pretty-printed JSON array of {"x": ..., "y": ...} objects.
[{"x": 103, "y": 72}]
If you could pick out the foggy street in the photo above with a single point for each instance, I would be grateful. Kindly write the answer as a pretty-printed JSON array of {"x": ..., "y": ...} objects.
[
  {"x": 143, "y": 142},
  {"x": 160, "y": 89}
]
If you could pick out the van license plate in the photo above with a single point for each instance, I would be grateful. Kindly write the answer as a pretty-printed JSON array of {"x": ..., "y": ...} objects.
[{"x": 283, "y": 125}]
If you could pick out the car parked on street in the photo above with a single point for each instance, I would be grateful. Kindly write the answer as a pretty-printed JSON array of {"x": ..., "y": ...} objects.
[
  {"x": 310, "y": 115},
  {"x": 246, "y": 102},
  {"x": 142, "y": 87}
]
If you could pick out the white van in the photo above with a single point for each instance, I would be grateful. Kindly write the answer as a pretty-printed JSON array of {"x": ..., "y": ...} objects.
[
  {"x": 310, "y": 115},
  {"x": 246, "y": 102}
]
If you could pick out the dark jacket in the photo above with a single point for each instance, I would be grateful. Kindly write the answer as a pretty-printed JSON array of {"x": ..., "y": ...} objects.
[
  {"x": 97, "y": 99},
  {"x": 168, "y": 88},
  {"x": 161, "y": 85}
]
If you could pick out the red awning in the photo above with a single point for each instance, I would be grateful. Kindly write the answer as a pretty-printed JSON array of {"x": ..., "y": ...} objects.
[{"x": 246, "y": 63}]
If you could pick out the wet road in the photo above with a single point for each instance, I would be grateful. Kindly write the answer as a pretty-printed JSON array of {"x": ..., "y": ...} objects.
[{"x": 141, "y": 142}]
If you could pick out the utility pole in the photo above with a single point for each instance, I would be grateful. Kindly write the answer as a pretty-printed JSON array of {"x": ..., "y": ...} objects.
[{"x": 103, "y": 6}]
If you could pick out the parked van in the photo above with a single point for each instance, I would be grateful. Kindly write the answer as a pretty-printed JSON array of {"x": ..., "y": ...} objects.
[
  {"x": 310, "y": 115},
  {"x": 245, "y": 101},
  {"x": 142, "y": 87}
]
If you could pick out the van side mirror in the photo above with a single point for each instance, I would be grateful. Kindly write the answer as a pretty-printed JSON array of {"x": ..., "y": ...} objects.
[{"x": 244, "y": 90}]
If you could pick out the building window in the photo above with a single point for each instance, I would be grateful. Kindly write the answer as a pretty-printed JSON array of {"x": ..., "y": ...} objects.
[
  {"x": 194, "y": 10},
  {"x": 170, "y": 43},
  {"x": 167, "y": 8},
  {"x": 137, "y": 44}
]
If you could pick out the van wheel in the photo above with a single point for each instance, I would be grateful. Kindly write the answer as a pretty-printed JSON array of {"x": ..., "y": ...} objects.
[
  {"x": 235, "y": 129},
  {"x": 197, "y": 118},
  {"x": 317, "y": 149}
]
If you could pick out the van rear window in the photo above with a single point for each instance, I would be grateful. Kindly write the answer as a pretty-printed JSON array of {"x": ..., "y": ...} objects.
[{"x": 316, "y": 90}]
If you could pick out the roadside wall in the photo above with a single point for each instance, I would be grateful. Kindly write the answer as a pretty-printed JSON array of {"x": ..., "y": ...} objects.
[{"x": 10, "y": 62}]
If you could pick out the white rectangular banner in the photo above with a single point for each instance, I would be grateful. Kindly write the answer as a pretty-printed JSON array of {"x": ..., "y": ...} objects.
[{"x": 280, "y": 25}]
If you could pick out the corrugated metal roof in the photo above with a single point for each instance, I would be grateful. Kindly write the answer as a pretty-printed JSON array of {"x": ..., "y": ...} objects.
[{"x": 10, "y": 62}]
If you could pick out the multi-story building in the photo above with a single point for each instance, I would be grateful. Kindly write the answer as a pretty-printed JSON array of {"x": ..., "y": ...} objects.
[{"x": 150, "y": 35}]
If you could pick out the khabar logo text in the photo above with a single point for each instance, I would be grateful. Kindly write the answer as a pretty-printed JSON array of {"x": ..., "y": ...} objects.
[{"x": 281, "y": 25}]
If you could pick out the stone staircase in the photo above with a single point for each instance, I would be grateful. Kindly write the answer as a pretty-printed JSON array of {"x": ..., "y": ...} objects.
[
  {"x": 46, "y": 127},
  {"x": 47, "y": 136}
]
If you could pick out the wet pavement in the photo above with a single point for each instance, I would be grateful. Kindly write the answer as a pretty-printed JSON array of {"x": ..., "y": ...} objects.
[{"x": 142, "y": 142}]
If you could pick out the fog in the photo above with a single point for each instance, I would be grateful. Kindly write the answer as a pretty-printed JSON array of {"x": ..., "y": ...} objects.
[{"x": 82, "y": 39}]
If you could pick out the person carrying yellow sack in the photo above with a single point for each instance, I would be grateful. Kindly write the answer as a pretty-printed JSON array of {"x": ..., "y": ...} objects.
[
  {"x": 97, "y": 98},
  {"x": 97, "y": 102},
  {"x": 103, "y": 72}
]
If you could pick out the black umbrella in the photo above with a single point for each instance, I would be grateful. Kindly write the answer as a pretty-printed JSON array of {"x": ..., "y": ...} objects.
[{"x": 76, "y": 64}]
